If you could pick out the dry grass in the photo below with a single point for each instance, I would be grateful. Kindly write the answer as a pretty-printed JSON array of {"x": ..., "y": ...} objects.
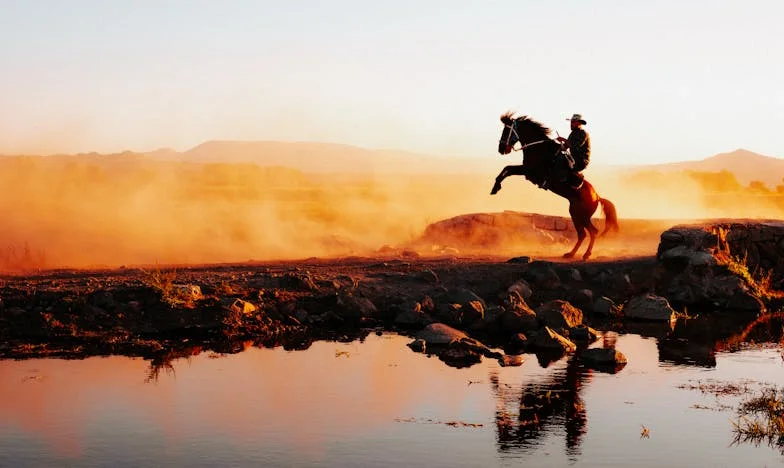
[
  {"x": 759, "y": 281},
  {"x": 761, "y": 419},
  {"x": 172, "y": 293}
]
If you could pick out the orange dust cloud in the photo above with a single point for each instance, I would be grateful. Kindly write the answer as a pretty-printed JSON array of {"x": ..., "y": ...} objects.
[{"x": 123, "y": 209}]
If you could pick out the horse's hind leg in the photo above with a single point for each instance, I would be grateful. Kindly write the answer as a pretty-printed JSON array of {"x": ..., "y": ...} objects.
[{"x": 592, "y": 232}]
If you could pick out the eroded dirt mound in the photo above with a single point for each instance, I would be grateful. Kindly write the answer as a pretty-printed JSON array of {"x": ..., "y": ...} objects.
[{"x": 513, "y": 233}]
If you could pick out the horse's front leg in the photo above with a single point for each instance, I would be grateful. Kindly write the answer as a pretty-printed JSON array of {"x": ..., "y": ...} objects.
[{"x": 506, "y": 172}]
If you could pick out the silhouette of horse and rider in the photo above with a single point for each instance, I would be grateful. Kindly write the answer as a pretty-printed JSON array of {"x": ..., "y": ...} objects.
[{"x": 556, "y": 165}]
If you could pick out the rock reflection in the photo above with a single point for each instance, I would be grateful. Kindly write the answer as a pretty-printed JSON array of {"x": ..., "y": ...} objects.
[{"x": 531, "y": 411}]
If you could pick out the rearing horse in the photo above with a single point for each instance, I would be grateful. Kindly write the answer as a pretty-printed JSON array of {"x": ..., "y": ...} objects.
[{"x": 539, "y": 152}]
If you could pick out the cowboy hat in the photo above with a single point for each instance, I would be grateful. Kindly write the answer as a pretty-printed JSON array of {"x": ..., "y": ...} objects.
[{"x": 579, "y": 118}]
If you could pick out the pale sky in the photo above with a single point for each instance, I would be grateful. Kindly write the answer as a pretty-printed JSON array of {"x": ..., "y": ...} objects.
[{"x": 657, "y": 81}]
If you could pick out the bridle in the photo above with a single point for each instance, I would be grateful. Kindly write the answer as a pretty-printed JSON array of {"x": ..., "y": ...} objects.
[{"x": 513, "y": 128}]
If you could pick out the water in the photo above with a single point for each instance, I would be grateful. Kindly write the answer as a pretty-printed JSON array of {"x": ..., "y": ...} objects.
[{"x": 378, "y": 405}]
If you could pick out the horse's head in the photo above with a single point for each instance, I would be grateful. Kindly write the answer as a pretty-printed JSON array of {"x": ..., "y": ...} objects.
[
  {"x": 521, "y": 129},
  {"x": 509, "y": 135}
]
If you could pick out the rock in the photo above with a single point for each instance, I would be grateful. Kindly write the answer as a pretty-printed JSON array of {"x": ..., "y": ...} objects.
[
  {"x": 239, "y": 306},
  {"x": 451, "y": 314},
  {"x": 460, "y": 307},
  {"x": 681, "y": 256},
  {"x": 187, "y": 292},
  {"x": 519, "y": 341},
  {"x": 583, "y": 334},
  {"x": 523, "y": 259},
  {"x": 549, "y": 340},
  {"x": 104, "y": 300},
  {"x": 428, "y": 276},
  {"x": 745, "y": 302},
  {"x": 541, "y": 274},
  {"x": 428, "y": 306},
  {"x": 522, "y": 288},
  {"x": 297, "y": 282},
  {"x": 460, "y": 357},
  {"x": 582, "y": 298},
  {"x": 518, "y": 317},
  {"x": 605, "y": 306},
  {"x": 301, "y": 315},
  {"x": 418, "y": 345},
  {"x": 462, "y": 296},
  {"x": 355, "y": 308},
  {"x": 559, "y": 315},
  {"x": 649, "y": 307},
  {"x": 602, "y": 358},
  {"x": 411, "y": 315},
  {"x": 570, "y": 275},
  {"x": 474, "y": 312},
  {"x": 511, "y": 360},
  {"x": 440, "y": 334}
]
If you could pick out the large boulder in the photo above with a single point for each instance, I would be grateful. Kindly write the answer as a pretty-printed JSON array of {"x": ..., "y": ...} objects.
[
  {"x": 559, "y": 315},
  {"x": 649, "y": 307}
]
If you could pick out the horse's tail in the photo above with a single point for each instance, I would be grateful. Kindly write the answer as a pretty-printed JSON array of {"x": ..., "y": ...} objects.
[{"x": 610, "y": 216}]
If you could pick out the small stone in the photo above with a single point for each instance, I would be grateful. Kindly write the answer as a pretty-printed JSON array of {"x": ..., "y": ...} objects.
[
  {"x": 243, "y": 307},
  {"x": 523, "y": 259},
  {"x": 418, "y": 345},
  {"x": 428, "y": 276},
  {"x": 602, "y": 357},
  {"x": 522, "y": 288},
  {"x": 301, "y": 315},
  {"x": 549, "y": 340},
  {"x": 649, "y": 307},
  {"x": 519, "y": 341},
  {"x": 559, "y": 315},
  {"x": 584, "y": 334},
  {"x": 460, "y": 357},
  {"x": 605, "y": 306},
  {"x": 513, "y": 360}
]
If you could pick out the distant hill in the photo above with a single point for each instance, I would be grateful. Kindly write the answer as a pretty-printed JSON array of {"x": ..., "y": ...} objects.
[
  {"x": 330, "y": 157},
  {"x": 746, "y": 165},
  {"x": 325, "y": 158}
]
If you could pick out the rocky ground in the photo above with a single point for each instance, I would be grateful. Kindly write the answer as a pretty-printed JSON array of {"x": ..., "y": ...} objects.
[{"x": 460, "y": 308}]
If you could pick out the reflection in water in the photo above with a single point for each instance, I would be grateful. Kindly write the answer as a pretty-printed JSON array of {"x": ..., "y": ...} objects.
[
  {"x": 325, "y": 407},
  {"x": 527, "y": 413}
]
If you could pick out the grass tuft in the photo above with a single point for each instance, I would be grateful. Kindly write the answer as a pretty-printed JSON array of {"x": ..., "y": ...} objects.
[{"x": 761, "y": 419}]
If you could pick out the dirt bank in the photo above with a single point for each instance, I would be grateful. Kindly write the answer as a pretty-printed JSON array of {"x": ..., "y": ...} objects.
[{"x": 158, "y": 313}]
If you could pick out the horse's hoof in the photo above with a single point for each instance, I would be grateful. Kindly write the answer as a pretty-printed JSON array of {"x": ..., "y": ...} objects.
[
  {"x": 586, "y": 256},
  {"x": 568, "y": 255},
  {"x": 495, "y": 190}
]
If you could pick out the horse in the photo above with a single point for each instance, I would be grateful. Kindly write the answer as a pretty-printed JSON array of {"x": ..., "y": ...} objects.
[{"x": 539, "y": 153}]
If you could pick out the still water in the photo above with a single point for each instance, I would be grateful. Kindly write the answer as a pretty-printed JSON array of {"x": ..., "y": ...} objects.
[{"x": 374, "y": 403}]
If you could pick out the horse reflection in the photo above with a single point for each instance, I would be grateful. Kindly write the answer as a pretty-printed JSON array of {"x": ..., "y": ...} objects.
[{"x": 525, "y": 414}]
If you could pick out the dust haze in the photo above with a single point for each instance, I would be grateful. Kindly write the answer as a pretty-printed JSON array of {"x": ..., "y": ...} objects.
[{"x": 135, "y": 209}]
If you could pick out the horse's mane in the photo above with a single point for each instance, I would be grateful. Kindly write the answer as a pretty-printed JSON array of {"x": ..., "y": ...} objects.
[{"x": 530, "y": 123}]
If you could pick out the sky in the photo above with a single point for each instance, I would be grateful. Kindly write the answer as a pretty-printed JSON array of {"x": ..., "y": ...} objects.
[{"x": 656, "y": 81}]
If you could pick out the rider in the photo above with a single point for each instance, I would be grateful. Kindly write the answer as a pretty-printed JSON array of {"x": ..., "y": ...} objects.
[{"x": 579, "y": 146}]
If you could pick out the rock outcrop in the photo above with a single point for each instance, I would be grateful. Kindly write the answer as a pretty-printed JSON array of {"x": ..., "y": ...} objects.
[{"x": 727, "y": 265}]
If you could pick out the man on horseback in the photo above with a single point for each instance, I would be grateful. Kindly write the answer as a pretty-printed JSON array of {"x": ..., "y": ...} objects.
[{"x": 568, "y": 166}]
